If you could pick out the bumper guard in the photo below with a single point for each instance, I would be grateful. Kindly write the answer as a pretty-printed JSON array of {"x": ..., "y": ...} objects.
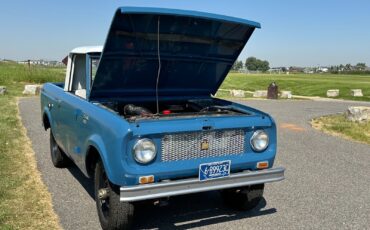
[{"x": 193, "y": 185}]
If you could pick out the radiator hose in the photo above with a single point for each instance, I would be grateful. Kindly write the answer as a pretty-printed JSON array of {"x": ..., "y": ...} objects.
[{"x": 133, "y": 110}]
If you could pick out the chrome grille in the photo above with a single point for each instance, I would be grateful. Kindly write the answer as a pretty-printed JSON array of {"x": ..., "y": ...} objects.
[{"x": 185, "y": 146}]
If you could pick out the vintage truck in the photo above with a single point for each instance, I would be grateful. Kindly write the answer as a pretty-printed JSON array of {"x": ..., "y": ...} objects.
[{"x": 139, "y": 116}]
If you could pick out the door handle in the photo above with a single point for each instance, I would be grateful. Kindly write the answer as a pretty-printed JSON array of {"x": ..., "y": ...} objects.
[{"x": 85, "y": 118}]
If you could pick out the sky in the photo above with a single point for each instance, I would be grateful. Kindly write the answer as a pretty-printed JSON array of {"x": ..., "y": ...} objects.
[{"x": 293, "y": 33}]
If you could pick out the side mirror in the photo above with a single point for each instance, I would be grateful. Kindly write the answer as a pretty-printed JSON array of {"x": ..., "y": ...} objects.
[{"x": 65, "y": 60}]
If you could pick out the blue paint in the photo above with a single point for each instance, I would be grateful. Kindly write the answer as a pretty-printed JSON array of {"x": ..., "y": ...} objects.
[
  {"x": 114, "y": 137},
  {"x": 197, "y": 51},
  {"x": 191, "y": 13},
  {"x": 77, "y": 150}
]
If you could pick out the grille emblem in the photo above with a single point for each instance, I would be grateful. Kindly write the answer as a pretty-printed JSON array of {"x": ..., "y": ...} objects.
[{"x": 204, "y": 145}]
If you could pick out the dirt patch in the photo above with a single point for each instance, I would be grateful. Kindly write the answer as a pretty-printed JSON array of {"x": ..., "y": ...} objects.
[{"x": 292, "y": 127}]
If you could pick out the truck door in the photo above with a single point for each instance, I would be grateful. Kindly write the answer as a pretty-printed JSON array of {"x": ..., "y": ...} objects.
[
  {"x": 77, "y": 108},
  {"x": 84, "y": 112},
  {"x": 75, "y": 96}
]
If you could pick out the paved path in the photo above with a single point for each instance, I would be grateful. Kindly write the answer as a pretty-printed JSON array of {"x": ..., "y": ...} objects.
[{"x": 327, "y": 182}]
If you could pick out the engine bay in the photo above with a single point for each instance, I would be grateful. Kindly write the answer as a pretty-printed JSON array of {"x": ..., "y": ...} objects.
[{"x": 167, "y": 109}]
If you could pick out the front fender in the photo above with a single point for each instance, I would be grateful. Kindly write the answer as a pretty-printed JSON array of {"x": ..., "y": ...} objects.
[{"x": 97, "y": 142}]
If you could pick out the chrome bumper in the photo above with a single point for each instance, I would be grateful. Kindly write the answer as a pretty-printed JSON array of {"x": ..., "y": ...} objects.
[{"x": 193, "y": 185}]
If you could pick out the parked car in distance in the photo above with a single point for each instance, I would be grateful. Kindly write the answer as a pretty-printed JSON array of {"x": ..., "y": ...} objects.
[{"x": 139, "y": 116}]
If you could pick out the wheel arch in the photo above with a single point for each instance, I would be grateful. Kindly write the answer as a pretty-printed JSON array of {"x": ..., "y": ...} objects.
[
  {"x": 96, "y": 151},
  {"x": 46, "y": 122},
  {"x": 92, "y": 157}
]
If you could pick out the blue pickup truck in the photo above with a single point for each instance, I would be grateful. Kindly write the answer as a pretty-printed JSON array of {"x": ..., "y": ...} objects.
[{"x": 139, "y": 116}]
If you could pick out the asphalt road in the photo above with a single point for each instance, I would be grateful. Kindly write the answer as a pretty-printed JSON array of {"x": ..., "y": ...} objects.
[{"x": 327, "y": 183}]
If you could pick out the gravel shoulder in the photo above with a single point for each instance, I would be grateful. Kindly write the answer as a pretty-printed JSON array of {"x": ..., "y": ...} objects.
[{"x": 326, "y": 187}]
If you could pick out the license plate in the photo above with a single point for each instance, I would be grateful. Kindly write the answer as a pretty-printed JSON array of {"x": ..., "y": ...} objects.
[{"x": 214, "y": 170}]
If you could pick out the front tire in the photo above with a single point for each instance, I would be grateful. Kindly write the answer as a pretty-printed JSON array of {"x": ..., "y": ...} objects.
[
  {"x": 113, "y": 214},
  {"x": 58, "y": 157},
  {"x": 245, "y": 198}
]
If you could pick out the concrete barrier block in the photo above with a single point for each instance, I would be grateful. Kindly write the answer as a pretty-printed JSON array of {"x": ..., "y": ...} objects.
[
  {"x": 237, "y": 93},
  {"x": 358, "y": 113},
  {"x": 31, "y": 89},
  {"x": 2, "y": 90},
  {"x": 286, "y": 94},
  {"x": 260, "y": 93},
  {"x": 332, "y": 93},
  {"x": 356, "y": 93}
]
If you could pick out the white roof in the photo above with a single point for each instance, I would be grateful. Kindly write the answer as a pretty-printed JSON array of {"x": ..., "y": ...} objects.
[{"x": 87, "y": 49}]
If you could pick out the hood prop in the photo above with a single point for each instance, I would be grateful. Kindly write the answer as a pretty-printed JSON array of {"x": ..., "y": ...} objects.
[{"x": 159, "y": 67}]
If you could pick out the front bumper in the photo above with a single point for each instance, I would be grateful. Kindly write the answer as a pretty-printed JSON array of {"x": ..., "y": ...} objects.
[{"x": 193, "y": 185}]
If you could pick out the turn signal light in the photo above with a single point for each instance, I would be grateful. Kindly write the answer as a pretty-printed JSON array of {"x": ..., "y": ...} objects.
[
  {"x": 263, "y": 165},
  {"x": 146, "y": 179}
]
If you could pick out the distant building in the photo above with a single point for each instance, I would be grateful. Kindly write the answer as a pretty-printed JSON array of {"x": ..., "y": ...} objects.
[
  {"x": 322, "y": 69},
  {"x": 276, "y": 70},
  {"x": 41, "y": 62},
  {"x": 5, "y": 60},
  {"x": 308, "y": 70},
  {"x": 22, "y": 62},
  {"x": 295, "y": 69}
]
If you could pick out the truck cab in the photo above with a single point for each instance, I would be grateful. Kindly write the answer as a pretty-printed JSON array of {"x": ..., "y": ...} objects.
[{"x": 82, "y": 63}]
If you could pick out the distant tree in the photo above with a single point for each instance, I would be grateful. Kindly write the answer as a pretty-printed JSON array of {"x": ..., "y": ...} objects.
[
  {"x": 341, "y": 67},
  {"x": 264, "y": 66},
  {"x": 237, "y": 65},
  {"x": 251, "y": 64},
  {"x": 360, "y": 66},
  {"x": 348, "y": 67},
  {"x": 254, "y": 64}
]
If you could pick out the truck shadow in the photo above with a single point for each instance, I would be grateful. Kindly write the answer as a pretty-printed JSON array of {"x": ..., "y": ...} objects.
[
  {"x": 192, "y": 211},
  {"x": 86, "y": 183},
  {"x": 182, "y": 212}
]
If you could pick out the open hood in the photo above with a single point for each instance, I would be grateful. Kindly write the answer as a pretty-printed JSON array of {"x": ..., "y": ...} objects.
[{"x": 194, "y": 51}]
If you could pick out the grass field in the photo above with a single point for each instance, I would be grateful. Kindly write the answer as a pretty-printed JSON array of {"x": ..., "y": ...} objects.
[
  {"x": 24, "y": 200},
  {"x": 338, "y": 125},
  {"x": 301, "y": 84}
]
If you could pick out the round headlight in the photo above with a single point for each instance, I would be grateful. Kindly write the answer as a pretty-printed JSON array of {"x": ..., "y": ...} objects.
[
  {"x": 259, "y": 140},
  {"x": 144, "y": 151}
]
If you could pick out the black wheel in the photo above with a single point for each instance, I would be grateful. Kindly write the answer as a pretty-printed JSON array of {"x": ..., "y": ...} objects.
[
  {"x": 245, "y": 198},
  {"x": 112, "y": 213},
  {"x": 58, "y": 157}
]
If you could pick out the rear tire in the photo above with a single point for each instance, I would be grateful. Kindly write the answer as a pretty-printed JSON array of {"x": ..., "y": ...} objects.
[
  {"x": 113, "y": 214},
  {"x": 245, "y": 198},
  {"x": 58, "y": 157}
]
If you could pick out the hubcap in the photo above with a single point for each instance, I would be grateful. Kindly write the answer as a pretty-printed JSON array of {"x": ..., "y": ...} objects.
[{"x": 103, "y": 193}]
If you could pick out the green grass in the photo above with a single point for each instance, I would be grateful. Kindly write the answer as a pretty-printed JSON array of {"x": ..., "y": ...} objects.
[
  {"x": 24, "y": 200},
  {"x": 302, "y": 84},
  {"x": 13, "y": 73},
  {"x": 338, "y": 125}
]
